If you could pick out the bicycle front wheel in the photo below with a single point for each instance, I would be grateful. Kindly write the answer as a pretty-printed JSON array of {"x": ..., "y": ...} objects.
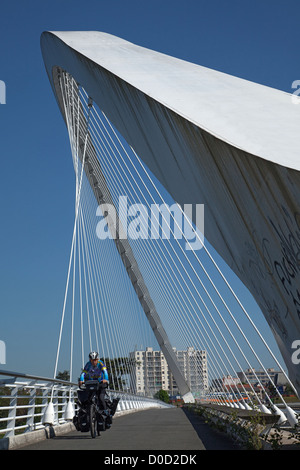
[{"x": 93, "y": 421}]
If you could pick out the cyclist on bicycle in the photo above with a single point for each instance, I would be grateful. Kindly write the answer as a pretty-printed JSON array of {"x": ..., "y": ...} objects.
[{"x": 96, "y": 370}]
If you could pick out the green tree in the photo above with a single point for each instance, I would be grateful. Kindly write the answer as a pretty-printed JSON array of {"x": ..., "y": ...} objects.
[
  {"x": 65, "y": 375},
  {"x": 162, "y": 395}
]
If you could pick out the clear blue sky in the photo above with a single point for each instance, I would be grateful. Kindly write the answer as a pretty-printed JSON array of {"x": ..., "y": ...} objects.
[{"x": 257, "y": 40}]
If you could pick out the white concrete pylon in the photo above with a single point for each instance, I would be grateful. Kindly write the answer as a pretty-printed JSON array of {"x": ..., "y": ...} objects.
[
  {"x": 248, "y": 407},
  {"x": 292, "y": 416},
  {"x": 48, "y": 417},
  {"x": 264, "y": 409},
  {"x": 277, "y": 411},
  {"x": 70, "y": 411},
  {"x": 188, "y": 398}
]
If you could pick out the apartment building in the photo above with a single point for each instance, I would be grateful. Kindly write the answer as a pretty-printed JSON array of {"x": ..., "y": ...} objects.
[
  {"x": 255, "y": 376},
  {"x": 152, "y": 373}
]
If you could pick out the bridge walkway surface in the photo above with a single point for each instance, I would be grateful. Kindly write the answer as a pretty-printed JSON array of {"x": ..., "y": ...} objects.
[{"x": 170, "y": 429}]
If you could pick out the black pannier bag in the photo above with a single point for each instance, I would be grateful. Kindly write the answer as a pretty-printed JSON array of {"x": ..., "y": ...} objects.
[
  {"x": 100, "y": 423},
  {"x": 104, "y": 421},
  {"x": 112, "y": 405},
  {"x": 83, "y": 396},
  {"x": 81, "y": 421}
]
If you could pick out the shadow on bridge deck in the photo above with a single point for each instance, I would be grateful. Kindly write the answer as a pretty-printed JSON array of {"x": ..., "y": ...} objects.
[{"x": 157, "y": 429}]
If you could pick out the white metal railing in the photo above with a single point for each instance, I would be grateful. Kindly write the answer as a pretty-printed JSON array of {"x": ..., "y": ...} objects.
[
  {"x": 24, "y": 401},
  {"x": 30, "y": 402}
]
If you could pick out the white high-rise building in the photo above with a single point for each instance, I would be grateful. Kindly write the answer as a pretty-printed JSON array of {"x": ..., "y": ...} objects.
[{"x": 151, "y": 372}]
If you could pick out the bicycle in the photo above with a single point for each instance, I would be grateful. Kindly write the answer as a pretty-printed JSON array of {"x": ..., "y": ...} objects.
[{"x": 89, "y": 417}]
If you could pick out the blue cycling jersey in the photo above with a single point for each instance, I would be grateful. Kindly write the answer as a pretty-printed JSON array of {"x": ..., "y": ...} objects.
[{"x": 92, "y": 373}]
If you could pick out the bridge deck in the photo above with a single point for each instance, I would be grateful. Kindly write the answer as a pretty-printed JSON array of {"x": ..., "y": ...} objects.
[{"x": 157, "y": 429}]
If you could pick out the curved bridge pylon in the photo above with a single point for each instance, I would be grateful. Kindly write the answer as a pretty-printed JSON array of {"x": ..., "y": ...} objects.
[{"x": 209, "y": 138}]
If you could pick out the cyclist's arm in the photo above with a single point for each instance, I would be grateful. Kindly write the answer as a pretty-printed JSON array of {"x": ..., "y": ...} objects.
[
  {"x": 105, "y": 375},
  {"x": 82, "y": 375},
  {"x": 104, "y": 372},
  {"x": 81, "y": 378}
]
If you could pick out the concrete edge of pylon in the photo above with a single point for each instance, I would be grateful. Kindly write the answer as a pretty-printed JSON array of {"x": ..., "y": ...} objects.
[{"x": 22, "y": 440}]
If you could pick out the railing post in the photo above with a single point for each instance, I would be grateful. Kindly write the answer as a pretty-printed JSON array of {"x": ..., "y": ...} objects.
[
  {"x": 64, "y": 402},
  {"x": 11, "y": 421},
  {"x": 55, "y": 405},
  {"x": 44, "y": 402},
  {"x": 30, "y": 412}
]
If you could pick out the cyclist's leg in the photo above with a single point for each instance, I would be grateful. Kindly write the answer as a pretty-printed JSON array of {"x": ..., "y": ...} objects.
[{"x": 101, "y": 396}]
